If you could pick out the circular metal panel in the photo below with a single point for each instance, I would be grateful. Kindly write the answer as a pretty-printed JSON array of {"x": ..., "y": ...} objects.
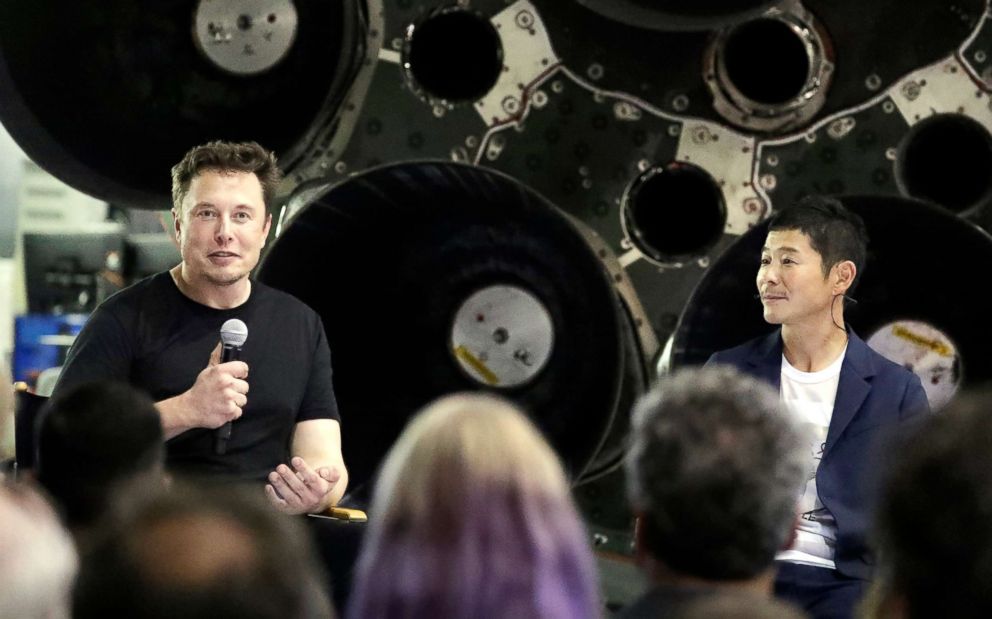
[
  {"x": 245, "y": 38},
  {"x": 389, "y": 257},
  {"x": 927, "y": 351},
  {"x": 502, "y": 336},
  {"x": 108, "y": 96}
]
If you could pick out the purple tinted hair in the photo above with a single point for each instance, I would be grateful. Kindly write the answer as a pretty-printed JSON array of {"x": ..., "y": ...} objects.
[{"x": 502, "y": 552}]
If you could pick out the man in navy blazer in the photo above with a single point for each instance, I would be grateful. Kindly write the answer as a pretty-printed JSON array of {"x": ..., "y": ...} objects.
[{"x": 847, "y": 394}]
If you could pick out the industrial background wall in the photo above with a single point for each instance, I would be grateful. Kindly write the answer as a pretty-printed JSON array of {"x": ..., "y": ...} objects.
[{"x": 535, "y": 196}]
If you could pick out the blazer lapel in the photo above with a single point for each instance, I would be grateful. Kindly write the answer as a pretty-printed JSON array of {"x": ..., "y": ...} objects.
[
  {"x": 766, "y": 360},
  {"x": 852, "y": 389}
]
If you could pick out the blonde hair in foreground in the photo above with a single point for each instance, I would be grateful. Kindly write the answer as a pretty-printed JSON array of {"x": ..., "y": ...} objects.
[
  {"x": 472, "y": 517},
  {"x": 459, "y": 440}
]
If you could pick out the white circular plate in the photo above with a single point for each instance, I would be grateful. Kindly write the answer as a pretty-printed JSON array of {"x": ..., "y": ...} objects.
[
  {"x": 246, "y": 37},
  {"x": 502, "y": 336},
  {"x": 925, "y": 350}
]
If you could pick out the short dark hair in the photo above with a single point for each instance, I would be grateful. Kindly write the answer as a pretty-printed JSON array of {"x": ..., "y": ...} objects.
[
  {"x": 201, "y": 552},
  {"x": 92, "y": 439},
  {"x": 836, "y": 233},
  {"x": 715, "y": 467},
  {"x": 227, "y": 157},
  {"x": 934, "y": 521}
]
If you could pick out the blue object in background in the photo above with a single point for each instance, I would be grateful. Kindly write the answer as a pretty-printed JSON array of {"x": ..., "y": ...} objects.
[{"x": 41, "y": 341}]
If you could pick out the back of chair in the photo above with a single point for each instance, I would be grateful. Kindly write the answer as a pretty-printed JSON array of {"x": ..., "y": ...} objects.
[{"x": 27, "y": 405}]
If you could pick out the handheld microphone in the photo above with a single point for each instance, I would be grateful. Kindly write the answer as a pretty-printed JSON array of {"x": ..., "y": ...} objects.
[{"x": 233, "y": 334}]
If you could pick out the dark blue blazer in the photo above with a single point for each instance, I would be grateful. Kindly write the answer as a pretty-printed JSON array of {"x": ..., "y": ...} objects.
[{"x": 874, "y": 396}]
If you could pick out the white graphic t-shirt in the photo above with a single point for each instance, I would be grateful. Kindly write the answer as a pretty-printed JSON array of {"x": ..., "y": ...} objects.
[{"x": 810, "y": 397}]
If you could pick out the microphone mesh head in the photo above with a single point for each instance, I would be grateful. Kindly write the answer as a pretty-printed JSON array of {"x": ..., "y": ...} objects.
[{"x": 233, "y": 332}]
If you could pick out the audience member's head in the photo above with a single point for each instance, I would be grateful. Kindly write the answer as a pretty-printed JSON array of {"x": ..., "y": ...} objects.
[
  {"x": 714, "y": 473},
  {"x": 472, "y": 517},
  {"x": 214, "y": 552},
  {"x": 37, "y": 558},
  {"x": 934, "y": 521},
  {"x": 738, "y": 606},
  {"x": 92, "y": 441}
]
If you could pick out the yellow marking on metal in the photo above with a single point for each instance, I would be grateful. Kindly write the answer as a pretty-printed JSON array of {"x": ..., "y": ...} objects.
[
  {"x": 462, "y": 353},
  {"x": 937, "y": 346}
]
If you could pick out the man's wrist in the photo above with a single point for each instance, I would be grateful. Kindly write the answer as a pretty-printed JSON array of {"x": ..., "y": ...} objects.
[{"x": 174, "y": 413}]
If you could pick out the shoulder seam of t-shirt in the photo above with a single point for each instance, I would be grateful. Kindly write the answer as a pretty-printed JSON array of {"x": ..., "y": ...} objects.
[{"x": 139, "y": 287}]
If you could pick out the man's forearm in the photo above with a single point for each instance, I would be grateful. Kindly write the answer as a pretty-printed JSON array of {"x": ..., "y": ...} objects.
[
  {"x": 339, "y": 489},
  {"x": 173, "y": 412}
]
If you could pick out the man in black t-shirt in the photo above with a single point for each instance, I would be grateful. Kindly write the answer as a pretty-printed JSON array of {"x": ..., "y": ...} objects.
[{"x": 162, "y": 335}]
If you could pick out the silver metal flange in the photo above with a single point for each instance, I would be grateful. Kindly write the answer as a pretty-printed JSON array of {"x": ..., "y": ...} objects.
[{"x": 744, "y": 110}]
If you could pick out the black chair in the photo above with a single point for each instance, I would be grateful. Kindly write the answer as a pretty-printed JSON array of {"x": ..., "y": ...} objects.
[{"x": 27, "y": 407}]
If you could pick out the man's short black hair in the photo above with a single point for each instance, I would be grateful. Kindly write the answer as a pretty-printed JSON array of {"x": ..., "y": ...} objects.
[
  {"x": 834, "y": 232},
  {"x": 92, "y": 439}
]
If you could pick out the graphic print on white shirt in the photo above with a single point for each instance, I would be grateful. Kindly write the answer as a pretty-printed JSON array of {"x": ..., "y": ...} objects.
[{"x": 809, "y": 396}]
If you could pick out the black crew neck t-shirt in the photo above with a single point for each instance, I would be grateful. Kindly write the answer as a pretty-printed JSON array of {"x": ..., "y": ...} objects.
[{"x": 157, "y": 339}]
